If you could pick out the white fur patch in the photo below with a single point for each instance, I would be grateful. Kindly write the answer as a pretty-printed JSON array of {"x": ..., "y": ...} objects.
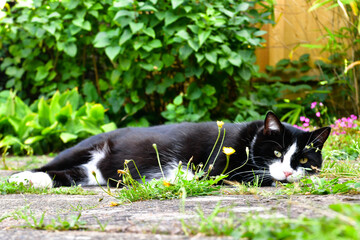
[
  {"x": 279, "y": 170},
  {"x": 35, "y": 179},
  {"x": 172, "y": 170},
  {"x": 90, "y": 167}
]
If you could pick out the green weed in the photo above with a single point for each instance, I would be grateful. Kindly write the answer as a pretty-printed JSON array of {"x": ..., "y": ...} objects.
[
  {"x": 320, "y": 186},
  {"x": 31, "y": 221},
  {"x": 344, "y": 223},
  {"x": 17, "y": 188}
]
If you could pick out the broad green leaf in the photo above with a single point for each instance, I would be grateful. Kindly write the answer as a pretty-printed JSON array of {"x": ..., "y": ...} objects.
[
  {"x": 101, "y": 40},
  {"x": 185, "y": 52},
  {"x": 125, "y": 64},
  {"x": 135, "y": 27},
  {"x": 203, "y": 35},
  {"x": 112, "y": 51},
  {"x": 170, "y": 17},
  {"x": 235, "y": 59},
  {"x": 34, "y": 139},
  {"x": 176, "y": 3},
  {"x": 193, "y": 92},
  {"x": 43, "y": 111},
  {"x": 242, "y": 7},
  {"x": 126, "y": 35},
  {"x": 70, "y": 49},
  {"x": 178, "y": 100},
  {"x": 194, "y": 44},
  {"x": 109, "y": 127},
  {"x": 67, "y": 137},
  {"x": 156, "y": 43},
  {"x": 49, "y": 130},
  {"x": 168, "y": 59},
  {"x": 41, "y": 73},
  {"x": 50, "y": 28},
  {"x": 54, "y": 106},
  {"x": 97, "y": 112},
  {"x": 183, "y": 34},
  {"x": 211, "y": 57},
  {"x": 150, "y": 32}
]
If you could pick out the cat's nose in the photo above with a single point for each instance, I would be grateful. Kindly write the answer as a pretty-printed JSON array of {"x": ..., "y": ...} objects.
[{"x": 287, "y": 173}]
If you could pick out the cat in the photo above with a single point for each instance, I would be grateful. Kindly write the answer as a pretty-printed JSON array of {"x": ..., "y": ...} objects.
[{"x": 276, "y": 152}]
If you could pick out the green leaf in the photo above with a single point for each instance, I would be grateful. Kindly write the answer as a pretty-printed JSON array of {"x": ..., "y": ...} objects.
[
  {"x": 242, "y": 7},
  {"x": 97, "y": 112},
  {"x": 170, "y": 17},
  {"x": 101, "y": 40},
  {"x": 135, "y": 27},
  {"x": 184, "y": 52},
  {"x": 183, "y": 34},
  {"x": 41, "y": 73},
  {"x": 150, "y": 32},
  {"x": 67, "y": 137},
  {"x": 109, "y": 127},
  {"x": 194, "y": 44},
  {"x": 211, "y": 57},
  {"x": 193, "y": 92},
  {"x": 50, "y": 28},
  {"x": 168, "y": 59},
  {"x": 203, "y": 35},
  {"x": 156, "y": 43},
  {"x": 178, "y": 100},
  {"x": 70, "y": 49},
  {"x": 176, "y": 3},
  {"x": 235, "y": 59},
  {"x": 34, "y": 139},
  {"x": 112, "y": 51},
  {"x": 43, "y": 111},
  {"x": 126, "y": 35}
]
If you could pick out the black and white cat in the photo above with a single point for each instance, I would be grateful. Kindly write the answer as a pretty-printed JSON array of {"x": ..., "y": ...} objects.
[{"x": 277, "y": 152}]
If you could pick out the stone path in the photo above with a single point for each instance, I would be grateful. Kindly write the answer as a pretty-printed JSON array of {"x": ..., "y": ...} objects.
[{"x": 148, "y": 219}]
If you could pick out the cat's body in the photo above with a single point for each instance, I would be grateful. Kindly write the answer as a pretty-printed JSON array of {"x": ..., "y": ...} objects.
[{"x": 278, "y": 151}]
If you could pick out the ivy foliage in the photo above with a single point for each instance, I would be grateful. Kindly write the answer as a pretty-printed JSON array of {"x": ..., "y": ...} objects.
[{"x": 147, "y": 61}]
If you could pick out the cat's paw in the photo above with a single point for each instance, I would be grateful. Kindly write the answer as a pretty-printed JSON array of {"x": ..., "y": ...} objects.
[{"x": 35, "y": 179}]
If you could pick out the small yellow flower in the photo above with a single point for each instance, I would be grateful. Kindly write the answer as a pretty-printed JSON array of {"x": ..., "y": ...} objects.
[
  {"x": 166, "y": 183},
  {"x": 113, "y": 204},
  {"x": 93, "y": 173},
  {"x": 228, "y": 150},
  {"x": 119, "y": 171},
  {"x": 220, "y": 124}
]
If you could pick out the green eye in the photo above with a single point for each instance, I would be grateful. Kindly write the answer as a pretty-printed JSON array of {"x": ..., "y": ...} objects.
[
  {"x": 277, "y": 154},
  {"x": 303, "y": 160}
]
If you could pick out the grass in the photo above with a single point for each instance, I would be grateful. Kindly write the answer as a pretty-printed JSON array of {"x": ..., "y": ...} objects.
[
  {"x": 60, "y": 224},
  {"x": 15, "y": 188},
  {"x": 320, "y": 186},
  {"x": 342, "y": 222}
]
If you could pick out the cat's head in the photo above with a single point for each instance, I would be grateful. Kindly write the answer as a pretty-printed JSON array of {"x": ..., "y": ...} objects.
[{"x": 286, "y": 153}]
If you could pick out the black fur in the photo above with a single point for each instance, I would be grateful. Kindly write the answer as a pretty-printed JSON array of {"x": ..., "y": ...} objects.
[{"x": 180, "y": 142}]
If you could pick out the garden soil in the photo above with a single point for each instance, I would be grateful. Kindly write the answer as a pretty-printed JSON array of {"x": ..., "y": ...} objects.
[{"x": 149, "y": 219}]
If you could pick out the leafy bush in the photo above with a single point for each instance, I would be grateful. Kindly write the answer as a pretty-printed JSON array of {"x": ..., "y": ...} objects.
[
  {"x": 180, "y": 60},
  {"x": 41, "y": 126}
]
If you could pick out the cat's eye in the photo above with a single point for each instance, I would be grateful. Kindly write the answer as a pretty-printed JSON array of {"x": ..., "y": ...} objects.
[
  {"x": 277, "y": 154},
  {"x": 304, "y": 160}
]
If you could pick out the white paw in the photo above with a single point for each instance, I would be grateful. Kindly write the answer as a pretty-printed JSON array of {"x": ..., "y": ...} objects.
[{"x": 35, "y": 179}]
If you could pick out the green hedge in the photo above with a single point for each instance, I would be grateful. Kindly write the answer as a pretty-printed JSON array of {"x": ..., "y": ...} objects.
[{"x": 147, "y": 61}]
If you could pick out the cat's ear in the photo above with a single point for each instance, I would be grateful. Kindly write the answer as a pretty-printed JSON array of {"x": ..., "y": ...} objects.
[
  {"x": 272, "y": 123},
  {"x": 319, "y": 136}
]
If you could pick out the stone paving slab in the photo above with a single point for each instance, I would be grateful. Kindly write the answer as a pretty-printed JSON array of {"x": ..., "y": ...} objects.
[{"x": 153, "y": 219}]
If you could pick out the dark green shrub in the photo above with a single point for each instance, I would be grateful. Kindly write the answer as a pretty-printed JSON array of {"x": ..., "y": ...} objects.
[{"x": 183, "y": 60}]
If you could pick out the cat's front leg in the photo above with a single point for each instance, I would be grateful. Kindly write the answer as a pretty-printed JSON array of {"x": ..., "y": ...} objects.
[{"x": 35, "y": 179}]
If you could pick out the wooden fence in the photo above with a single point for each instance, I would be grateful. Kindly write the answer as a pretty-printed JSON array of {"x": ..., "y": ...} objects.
[{"x": 296, "y": 26}]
